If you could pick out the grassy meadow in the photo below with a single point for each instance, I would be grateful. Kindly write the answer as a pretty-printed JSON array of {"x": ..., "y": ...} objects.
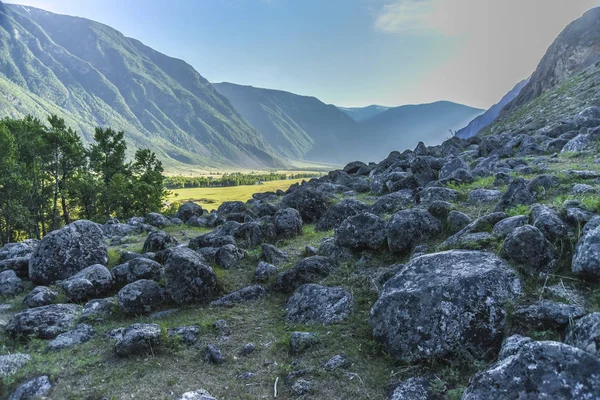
[{"x": 212, "y": 197}]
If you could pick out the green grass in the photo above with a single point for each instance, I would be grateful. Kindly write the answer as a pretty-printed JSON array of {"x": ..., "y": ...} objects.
[{"x": 213, "y": 197}]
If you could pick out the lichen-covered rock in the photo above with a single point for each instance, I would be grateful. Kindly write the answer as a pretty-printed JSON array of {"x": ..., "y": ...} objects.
[
  {"x": 408, "y": 228},
  {"x": 586, "y": 261},
  {"x": 288, "y": 223},
  {"x": 273, "y": 255},
  {"x": 482, "y": 196},
  {"x": 546, "y": 314},
  {"x": 99, "y": 309},
  {"x": 506, "y": 226},
  {"x": 393, "y": 202},
  {"x": 412, "y": 389},
  {"x": 443, "y": 300},
  {"x": 188, "y": 335},
  {"x": 11, "y": 363},
  {"x": 311, "y": 204},
  {"x": 457, "y": 220},
  {"x": 229, "y": 257},
  {"x": 20, "y": 265},
  {"x": 214, "y": 354},
  {"x": 139, "y": 339},
  {"x": 34, "y": 388},
  {"x": 188, "y": 210},
  {"x": 188, "y": 278},
  {"x": 216, "y": 238},
  {"x": 339, "y": 212},
  {"x": 244, "y": 295},
  {"x": 585, "y": 334},
  {"x": 528, "y": 247},
  {"x": 539, "y": 370},
  {"x": 44, "y": 322},
  {"x": 64, "y": 252},
  {"x": 551, "y": 225},
  {"x": 432, "y": 194},
  {"x": 517, "y": 193},
  {"x": 78, "y": 335},
  {"x": 157, "y": 241},
  {"x": 362, "y": 232},
  {"x": 512, "y": 344},
  {"x": 308, "y": 270},
  {"x": 451, "y": 167},
  {"x": 336, "y": 362},
  {"x": 140, "y": 297},
  {"x": 10, "y": 284},
  {"x": 136, "y": 269},
  {"x": 315, "y": 304},
  {"x": 200, "y": 394},
  {"x": 17, "y": 250},
  {"x": 264, "y": 271},
  {"x": 40, "y": 296},
  {"x": 158, "y": 220},
  {"x": 88, "y": 283},
  {"x": 301, "y": 341}
]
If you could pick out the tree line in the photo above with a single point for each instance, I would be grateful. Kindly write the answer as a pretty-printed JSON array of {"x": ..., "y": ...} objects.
[
  {"x": 228, "y": 179},
  {"x": 49, "y": 178}
]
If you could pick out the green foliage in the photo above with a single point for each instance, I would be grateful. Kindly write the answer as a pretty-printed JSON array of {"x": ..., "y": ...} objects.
[
  {"x": 232, "y": 179},
  {"x": 48, "y": 178},
  {"x": 520, "y": 209}
]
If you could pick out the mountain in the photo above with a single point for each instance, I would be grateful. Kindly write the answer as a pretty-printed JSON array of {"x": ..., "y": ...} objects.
[
  {"x": 92, "y": 75},
  {"x": 574, "y": 50},
  {"x": 361, "y": 114},
  {"x": 299, "y": 127},
  {"x": 305, "y": 127},
  {"x": 485, "y": 119},
  {"x": 403, "y": 127}
]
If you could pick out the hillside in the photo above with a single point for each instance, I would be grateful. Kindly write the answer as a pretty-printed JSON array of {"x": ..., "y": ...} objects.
[
  {"x": 305, "y": 127},
  {"x": 485, "y": 119},
  {"x": 361, "y": 114},
  {"x": 92, "y": 75}
]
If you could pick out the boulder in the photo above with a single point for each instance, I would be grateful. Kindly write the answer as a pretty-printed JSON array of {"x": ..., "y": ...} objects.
[
  {"x": 188, "y": 335},
  {"x": 339, "y": 212},
  {"x": 264, "y": 271},
  {"x": 551, "y": 225},
  {"x": 140, "y": 297},
  {"x": 33, "y": 388},
  {"x": 512, "y": 344},
  {"x": 136, "y": 269},
  {"x": 229, "y": 256},
  {"x": 214, "y": 354},
  {"x": 585, "y": 334},
  {"x": 288, "y": 223},
  {"x": 451, "y": 167},
  {"x": 200, "y": 394},
  {"x": 78, "y": 335},
  {"x": 528, "y": 247},
  {"x": 412, "y": 389},
  {"x": 88, "y": 283},
  {"x": 432, "y": 194},
  {"x": 44, "y": 322},
  {"x": 315, "y": 304},
  {"x": 422, "y": 170},
  {"x": 10, "y": 284},
  {"x": 244, "y": 295},
  {"x": 308, "y": 270},
  {"x": 301, "y": 341},
  {"x": 362, "y": 232},
  {"x": 64, "y": 252},
  {"x": 20, "y": 265},
  {"x": 506, "y": 226},
  {"x": 231, "y": 207},
  {"x": 40, "y": 296},
  {"x": 457, "y": 220},
  {"x": 586, "y": 260},
  {"x": 539, "y": 370},
  {"x": 139, "y": 339},
  {"x": 188, "y": 278},
  {"x": 10, "y": 364},
  {"x": 546, "y": 314},
  {"x": 442, "y": 301},
  {"x": 408, "y": 228},
  {"x": 336, "y": 362},
  {"x": 216, "y": 238},
  {"x": 17, "y": 250},
  {"x": 157, "y": 220},
  {"x": 482, "y": 196},
  {"x": 188, "y": 210},
  {"x": 517, "y": 194},
  {"x": 99, "y": 309},
  {"x": 157, "y": 241},
  {"x": 393, "y": 202},
  {"x": 311, "y": 204}
]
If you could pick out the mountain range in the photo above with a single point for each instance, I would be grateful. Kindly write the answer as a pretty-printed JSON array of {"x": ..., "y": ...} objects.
[{"x": 92, "y": 75}]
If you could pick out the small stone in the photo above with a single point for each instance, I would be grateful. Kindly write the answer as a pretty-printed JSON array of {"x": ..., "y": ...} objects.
[
  {"x": 335, "y": 362},
  {"x": 301, "y": 387},
  {"x": 300, "y": 341},
  {"x": 33, "y": 388},
  {"x": 188, "y": 335},
  {"x": 214, "y": 354},
  {"x": 247, "y": 350},
  {"x": 200, "y": 394},
  {"x": 40, "y": 296},
  {"x": 80, "y": 334},
  {"x": 138, "y": 339}
]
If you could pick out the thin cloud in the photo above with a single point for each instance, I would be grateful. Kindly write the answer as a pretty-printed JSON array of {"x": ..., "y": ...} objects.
[{"x": 403, "y": 16}]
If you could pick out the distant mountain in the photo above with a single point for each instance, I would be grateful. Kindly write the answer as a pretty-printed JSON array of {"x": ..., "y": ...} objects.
[
  {"x": 304, "y": 127},
  {"x": 92, "y": 75},
  {"x": 298, "y": 127},
  {"x": 361, "y": 114},
  {"x": 485, "y": 119},
  {"x": 403, "y": 127},
  {"x": 574, "y": 50}
]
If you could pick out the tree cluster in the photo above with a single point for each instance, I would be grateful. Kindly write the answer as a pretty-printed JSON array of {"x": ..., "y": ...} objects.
[
  {"x": 229, "y": 179},
  {"x": 49, "y": 178}
]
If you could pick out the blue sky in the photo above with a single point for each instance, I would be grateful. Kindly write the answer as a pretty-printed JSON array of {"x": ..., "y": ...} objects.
[{"x": 347, "y": 52}]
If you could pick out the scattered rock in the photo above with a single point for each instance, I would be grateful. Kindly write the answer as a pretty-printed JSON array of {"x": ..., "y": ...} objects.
[
  {"x": 586, "y": 261},
  {"x": 288, "y": 223},
  {"x": 40, "y": 296},
  {"x": 457, "y": 220},
  {"x": 140, "y": 297},
  {"x": 136, "y": 269},
  {"x": 362, "y": 232},
  {"x": 11, "y": 363},
  {"x": 585, "y": 334},
  {"x": 301, "y": 387},
  {"x": 138, "y": 339},
  {"x": 158, "y": 220},
  {"x": 408, "y": 228},
  {"x": 80, "y": 334},
  {"x": 528, "y": 247},
  {"x": 336, "y": 362},
  {"x": 311, "y": 204},
  {"x": 546, "y": 314},
  {"x": 197, "y": 395},
  {"x": 214, "y": 354},
  {"x": 412, "y": 389},
  {"x": 188, "y": 278},
  {"x": 157, "y": 241},
  {"x": 33, "y": 388},
  {"x": 229, "y": 256},
  {"x": 517, "y": 194},
  {"x": 10, "y": 284},
  {"x": 247, "y": 350},
  {"x": 506, "y": 226},
  {"x": 188, "y": 335},
  {"x": 315, "y": 304},
  {"x": 273, "y": 255},
  {"x": 301, "y": 341},
  {"x": 339, "y": 212},
  {"x": 44, "y": 322},
  {"x": 244, "y": 295},
  {"x": 188, "y": 210},
  {"x": 308, "y": 270},
  {"x": 88, "y": 283},
  {"x": 264, "y": 271},
  {"x": 99, "y": 309}
]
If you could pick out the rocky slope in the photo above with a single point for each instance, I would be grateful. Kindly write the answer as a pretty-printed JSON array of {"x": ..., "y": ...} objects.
[{"x": 92, "y": 75}]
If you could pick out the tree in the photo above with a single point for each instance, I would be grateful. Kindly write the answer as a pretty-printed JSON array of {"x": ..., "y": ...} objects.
[{"x": 149, "y": 184}]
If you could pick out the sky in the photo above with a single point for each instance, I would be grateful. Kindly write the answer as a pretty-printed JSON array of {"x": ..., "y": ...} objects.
[{"x": 349, "y": 53}]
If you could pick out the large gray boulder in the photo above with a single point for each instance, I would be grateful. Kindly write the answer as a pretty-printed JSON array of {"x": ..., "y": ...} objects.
[
  {"x": 140, "y": 297},
  {"x": 442, "y": 301},
  {"x": 78, "y": 335},
  {"x": 311, "y": 204},
  {"x": 139, "y": 339},
  {"x": 362, "y": 232},
  {"x": 64, "y": 252},
  {"x": 393, "y": 202},
  {"x": 539, "y": 370},
  {"x": 44, "y": 322},
  {"x": 517, "y": 193},
  {"x": 188, "y": 210},
  {"x": 229, "y": 256},
  {"x": 288, "y": 223},
  {"x": 528, "y": 247},
  {"x": 88, "y": 283},
  {"x": 157, "y": 241},
  {"x": 586, "y": 261},
  {"x": 546, "y": 314},
  {"x": 408, "y": 228},
  {"x": 136, "y": 269},
  {"x": 585, "y": 334},
  {"x": 308, "y": 270},
  {"x": 412, "y": 389},
  {"x": 40, "y": 296},
  {"x": 339, "y": 212},
  {"x": 10, "y": 364},
  {"x": 244, "y": 295},
  {"x": 10, "y": 283},
  {"x": 21, "y": 249},
  {"x": 188, "y": 278},
  {"x": 315, "y": 304}
]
